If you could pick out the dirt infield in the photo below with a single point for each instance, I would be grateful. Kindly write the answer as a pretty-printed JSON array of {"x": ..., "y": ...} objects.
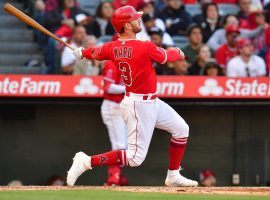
[{"x": 265, "y": 191}]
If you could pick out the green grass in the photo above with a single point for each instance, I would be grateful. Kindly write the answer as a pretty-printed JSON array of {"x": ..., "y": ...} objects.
[{"x": 113, "y": 195}]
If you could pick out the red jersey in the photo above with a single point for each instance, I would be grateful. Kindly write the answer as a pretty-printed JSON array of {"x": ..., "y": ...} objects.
[
  {"x": 224, "y": 54},
  {"x": 111, "y": 74},
  {"x": 134, "y": 58}
]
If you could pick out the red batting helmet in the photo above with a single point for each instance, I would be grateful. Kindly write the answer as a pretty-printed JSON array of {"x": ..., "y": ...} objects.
[{"x": 124, "y": 15}]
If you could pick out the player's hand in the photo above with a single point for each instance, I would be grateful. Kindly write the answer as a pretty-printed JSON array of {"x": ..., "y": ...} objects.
[{"x": 78, "y": 53}]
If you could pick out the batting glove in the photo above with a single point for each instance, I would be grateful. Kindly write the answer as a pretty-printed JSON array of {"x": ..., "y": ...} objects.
[{"x": 78, "y": 53}]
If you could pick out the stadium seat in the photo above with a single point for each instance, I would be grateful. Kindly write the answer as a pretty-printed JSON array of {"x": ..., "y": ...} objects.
[
  {"x": 180, "y": 41},
  {"x": 225, "y": 9},
  {"x": 193, "y": 9}
]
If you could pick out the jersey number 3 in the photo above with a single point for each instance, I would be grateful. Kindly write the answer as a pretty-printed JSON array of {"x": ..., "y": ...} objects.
[{"x": 126, "y": 73}]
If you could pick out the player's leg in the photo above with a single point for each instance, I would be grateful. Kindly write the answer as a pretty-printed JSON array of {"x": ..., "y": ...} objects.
[
  {"x": 113, "y": 119},
  {"x": 83, "y": 162},
  {"x": 140, "y": 117},
  {"x": 168, "y": 119}
]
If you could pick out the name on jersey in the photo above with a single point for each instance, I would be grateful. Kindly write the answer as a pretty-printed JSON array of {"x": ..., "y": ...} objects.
[{"x": 122, "y": 52}]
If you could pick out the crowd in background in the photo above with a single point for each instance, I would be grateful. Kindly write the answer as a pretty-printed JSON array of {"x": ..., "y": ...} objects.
[{"x": 231, "y": 45}]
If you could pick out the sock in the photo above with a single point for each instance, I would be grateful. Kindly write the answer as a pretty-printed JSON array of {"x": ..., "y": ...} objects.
[
  {"x": 116, "y": 157},
  {"x": 176, "y": 152}
]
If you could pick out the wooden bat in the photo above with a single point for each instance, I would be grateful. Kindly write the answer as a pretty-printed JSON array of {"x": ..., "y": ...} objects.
[{"x": 28, "y": 20}]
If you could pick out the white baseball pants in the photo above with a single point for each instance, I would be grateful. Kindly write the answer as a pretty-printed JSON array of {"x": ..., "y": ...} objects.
[
  {"x": 112, "y": 117},
  {"x": 141, "y": 117}
]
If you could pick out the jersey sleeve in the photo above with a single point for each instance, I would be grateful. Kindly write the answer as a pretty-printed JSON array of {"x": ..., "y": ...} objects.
[
  {"x": 161, "y": 55},
  {"x": 98, "y": 53}
]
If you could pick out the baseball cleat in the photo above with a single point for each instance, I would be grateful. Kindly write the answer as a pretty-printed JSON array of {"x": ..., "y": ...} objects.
[
  {"x": 81, "y": 163},
  {"x": 175, "y": 179}
]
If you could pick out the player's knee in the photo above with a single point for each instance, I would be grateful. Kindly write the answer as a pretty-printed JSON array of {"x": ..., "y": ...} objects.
[
  {"x": 182, "y": 132},
  {"x": 135, "y": 162},
  {"x": 186, "y": 130},
  {"x": 136, "y": 159}
]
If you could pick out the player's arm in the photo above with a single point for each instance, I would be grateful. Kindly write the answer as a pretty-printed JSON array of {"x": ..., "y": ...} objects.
[
  {"x": 96, "y": 53},
  {"x": 109, "y": 77},
  {"x": 112, "y": 88},
  {"x": 162, "y": 56}
]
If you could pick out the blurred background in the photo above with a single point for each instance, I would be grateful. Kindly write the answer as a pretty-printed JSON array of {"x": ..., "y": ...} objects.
[{"x": 222, "y": 38}]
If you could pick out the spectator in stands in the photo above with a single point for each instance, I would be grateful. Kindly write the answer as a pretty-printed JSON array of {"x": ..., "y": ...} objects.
[
  {"x": 256, "y": 15},
  {"x": 156, "y": 36},
  {"x": 247, "y": 64},
  {"x": 178, "y": 68},
  {"x": 219, "y": 36},
  {"x": 62, "y": 15},
  {"x": 243, "y": 13},
  {"x": 82, "y": 19},
  {"x": 203, "y": 57},
  {"x": 137, "y": 4},
  {"x": 175, "y": 17},
  {"x": 258, "y": 19},
  {"x": 101, "y": 25},
  {"x": 149, "y": 9},
  {"x": 266, "y": 55},
  {"x": 60, "y": 20},
  {"x": 68, "y": 60},
  {"x": 194, "y": 33},
  {"x": 39, "y": 13},
  {"x": 208, "y": 178},
  {"x": 211, "y": 20},
  {"x": 51, "y": 5},
  {"x": 212, "y": 68},
  {"x": 228, "y": 50},
  {"x": 160, "y": 5},
  {"x": 267, "y": 8},
  {"x": 149, "y": 23}
]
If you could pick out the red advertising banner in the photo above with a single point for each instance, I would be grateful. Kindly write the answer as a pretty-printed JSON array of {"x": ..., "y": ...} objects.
[{"x": 167, "y": 86}]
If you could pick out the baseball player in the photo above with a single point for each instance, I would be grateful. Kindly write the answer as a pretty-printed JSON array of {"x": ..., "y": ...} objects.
[
  {"x": 141, "y": 109},
  {"x": 112, "y": 117}
]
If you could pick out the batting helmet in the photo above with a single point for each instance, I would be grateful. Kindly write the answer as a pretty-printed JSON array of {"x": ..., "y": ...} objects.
[{"x": 124, "y": 15}]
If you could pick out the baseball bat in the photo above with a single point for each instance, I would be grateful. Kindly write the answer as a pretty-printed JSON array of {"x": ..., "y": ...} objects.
[{"x": 28, "y": 20}]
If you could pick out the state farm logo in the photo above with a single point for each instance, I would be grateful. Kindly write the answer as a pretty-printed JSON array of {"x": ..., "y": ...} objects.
[
  {"x": 210, "y": 87},
  {"x": 29, "y": 86},
  {"x": 86, "y": 86}
]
